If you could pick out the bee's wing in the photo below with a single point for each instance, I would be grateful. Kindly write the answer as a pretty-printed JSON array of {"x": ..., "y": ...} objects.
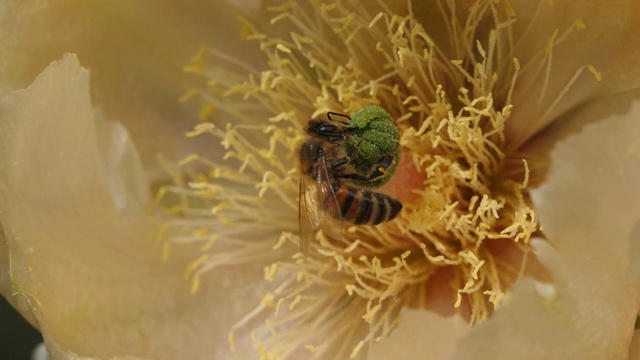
[
  {"x": 309, "y": 211},
  {"x": 318, "y": 207},
  {"x": 332, "y": 220}
]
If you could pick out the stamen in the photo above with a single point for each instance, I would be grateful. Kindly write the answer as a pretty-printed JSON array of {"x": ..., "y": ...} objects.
[{"x": 570, "y": 83}]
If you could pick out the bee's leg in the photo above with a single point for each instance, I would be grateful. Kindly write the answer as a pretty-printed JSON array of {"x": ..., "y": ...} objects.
[
  {"x": 376, "y": 173},
  {"x": 383, "y": 164},
  {"x": 345, "y": 160}
]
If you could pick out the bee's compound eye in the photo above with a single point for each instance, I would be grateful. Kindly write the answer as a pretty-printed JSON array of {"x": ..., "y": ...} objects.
[{"x": 327, "y": 129}]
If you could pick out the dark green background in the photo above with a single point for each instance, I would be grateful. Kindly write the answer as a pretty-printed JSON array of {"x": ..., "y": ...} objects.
[{"x": 17, "y": 337}]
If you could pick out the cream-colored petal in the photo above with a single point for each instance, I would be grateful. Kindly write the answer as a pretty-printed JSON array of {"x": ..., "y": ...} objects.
[
  {"x": 588, "y": 208},
  {"x": 89, "y": 268},
  {"x": 608, "y": 41},
  {"x": 574, "y": 121},
  {"x": 422, "y": 335},
  {"x": 136, "y": 51}
]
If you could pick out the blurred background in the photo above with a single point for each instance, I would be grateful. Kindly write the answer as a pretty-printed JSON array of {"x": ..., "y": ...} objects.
[{"x": 17, "y": 337}]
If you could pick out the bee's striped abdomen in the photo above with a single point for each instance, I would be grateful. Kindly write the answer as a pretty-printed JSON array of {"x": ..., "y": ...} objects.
[{"x": 364, "y": 207}]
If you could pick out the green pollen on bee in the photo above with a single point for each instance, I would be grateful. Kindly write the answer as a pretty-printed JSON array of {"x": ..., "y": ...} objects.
[{"x": 375, "y": 135}]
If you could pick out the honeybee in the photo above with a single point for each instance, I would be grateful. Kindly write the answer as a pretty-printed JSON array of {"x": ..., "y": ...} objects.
[{"x": 339, "y": 161}]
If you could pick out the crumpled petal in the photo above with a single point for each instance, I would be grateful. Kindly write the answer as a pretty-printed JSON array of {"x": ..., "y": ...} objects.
[
  {"x": 608, "y": 42},
  {"x": 85, "y": 262},
  {"x": 588, "y": 207},
  {"x": 125, "y": 176},
  {"x": 136, "y": 52}
]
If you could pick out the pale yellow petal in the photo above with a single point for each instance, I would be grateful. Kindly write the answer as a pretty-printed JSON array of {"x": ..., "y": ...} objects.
[
  {"x": 573, "y": 122},
  {"x": 422, "y": 335},
  {"x": 136, "y": 51},
  {"x": 125, "y": 177},
  {"x": 588, "y": 208},
  {"x": 633, "y": 273},
  {"x": 634, "y": 350},
  {"x": 556, "y": 78},
  {"x": 86, "y": 262}
]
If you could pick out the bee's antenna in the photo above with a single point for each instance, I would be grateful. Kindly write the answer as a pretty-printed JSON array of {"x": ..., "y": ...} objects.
[{"x": 337, "y": 114}]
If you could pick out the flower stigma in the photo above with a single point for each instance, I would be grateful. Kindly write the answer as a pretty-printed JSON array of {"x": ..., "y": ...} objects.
[{"x": 448, "y": 85}]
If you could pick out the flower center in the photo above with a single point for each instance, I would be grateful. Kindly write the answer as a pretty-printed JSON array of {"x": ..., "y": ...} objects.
[{"x": 464, "y": 230}]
